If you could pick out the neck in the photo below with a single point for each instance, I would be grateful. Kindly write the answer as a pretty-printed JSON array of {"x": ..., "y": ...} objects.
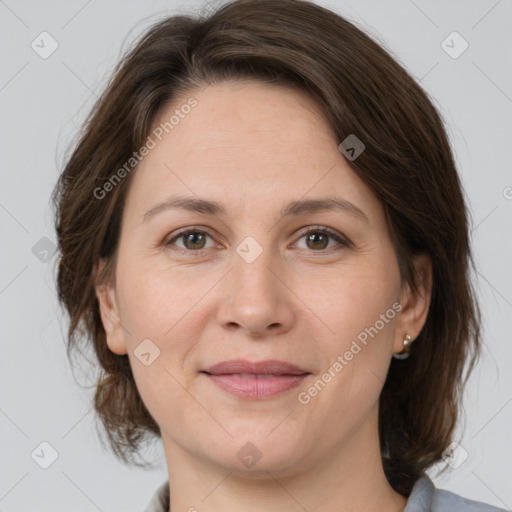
[{"x": 349, "y": 478}]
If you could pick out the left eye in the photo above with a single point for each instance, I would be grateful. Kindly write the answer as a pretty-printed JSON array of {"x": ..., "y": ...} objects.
[
  {"x": 194, "y": 240},
  {"x": 319, "y": 239}
]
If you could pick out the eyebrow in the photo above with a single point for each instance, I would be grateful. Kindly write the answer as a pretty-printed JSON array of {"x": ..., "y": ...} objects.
[{"x": 203, "y": 206}]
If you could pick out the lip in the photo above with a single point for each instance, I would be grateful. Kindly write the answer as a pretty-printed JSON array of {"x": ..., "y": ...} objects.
[
  {"x": 270, "y": 366},
  {"x": 250, "y": 380}
]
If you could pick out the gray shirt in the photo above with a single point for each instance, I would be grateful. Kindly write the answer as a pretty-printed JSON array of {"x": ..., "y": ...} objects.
[{"x": 424, "y": 497}]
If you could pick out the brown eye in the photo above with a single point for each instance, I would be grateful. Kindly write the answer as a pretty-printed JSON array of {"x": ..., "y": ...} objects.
[
  {"x": 193, "y": 240},
  {"x": 318, "y": 239}
]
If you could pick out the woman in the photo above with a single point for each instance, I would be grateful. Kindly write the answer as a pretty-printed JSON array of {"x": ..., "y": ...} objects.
[{"x": 264, "y": 236}]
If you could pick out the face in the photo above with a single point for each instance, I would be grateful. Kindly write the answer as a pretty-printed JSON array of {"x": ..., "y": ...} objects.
[{"x": 317, "y": 287}]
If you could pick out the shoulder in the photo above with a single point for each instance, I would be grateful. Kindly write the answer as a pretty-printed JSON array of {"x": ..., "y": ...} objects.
[
  {"x": 425, "y": 497},
  {"x": 160, "y": 500},
  {"x": 448, "y": 501}
]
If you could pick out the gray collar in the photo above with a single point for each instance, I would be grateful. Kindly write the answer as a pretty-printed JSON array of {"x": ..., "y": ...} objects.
[{"x": 422, "y": 494}]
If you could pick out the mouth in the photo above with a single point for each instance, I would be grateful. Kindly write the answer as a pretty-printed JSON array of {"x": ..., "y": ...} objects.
[{"x": 255, "y": 380}]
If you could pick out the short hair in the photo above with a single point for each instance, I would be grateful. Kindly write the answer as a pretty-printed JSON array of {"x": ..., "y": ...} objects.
[{"x": 407, "y": 163}]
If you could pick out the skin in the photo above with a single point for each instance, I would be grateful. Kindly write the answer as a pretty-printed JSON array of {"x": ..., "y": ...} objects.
[{"x": 254, "y": 148}]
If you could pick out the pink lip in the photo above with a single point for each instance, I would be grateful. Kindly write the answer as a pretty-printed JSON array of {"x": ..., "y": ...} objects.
[
  {"x": 256, "y": 387},
  {"x": 245, "y": 379}
]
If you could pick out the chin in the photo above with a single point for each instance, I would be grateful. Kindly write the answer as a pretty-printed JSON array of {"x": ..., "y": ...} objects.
[{"x": 256, "y": 456}]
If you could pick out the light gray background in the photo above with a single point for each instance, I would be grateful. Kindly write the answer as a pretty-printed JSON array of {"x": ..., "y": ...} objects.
[{"x": 43, "y": 102}]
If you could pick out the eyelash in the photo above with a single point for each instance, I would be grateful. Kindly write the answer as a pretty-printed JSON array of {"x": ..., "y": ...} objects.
[{"x": 315, "y": 229}]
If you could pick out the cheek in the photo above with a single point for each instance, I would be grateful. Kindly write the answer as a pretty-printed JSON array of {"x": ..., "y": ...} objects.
[
  {"x": 154, "y": 301},
  {"x": 357, "y": 356},
  {"x": 154, "y": 310},
  {"x": 159, "y": 310},
  {"x": 354, "y": 300}
]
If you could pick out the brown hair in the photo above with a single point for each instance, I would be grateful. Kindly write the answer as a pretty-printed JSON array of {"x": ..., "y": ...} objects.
[{"x": 407, "y": 163}]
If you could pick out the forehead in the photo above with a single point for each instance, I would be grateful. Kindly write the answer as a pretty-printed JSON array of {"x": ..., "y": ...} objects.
[
  {"x": 237, "y": 116},
  {"x": 246, "y": 140}
]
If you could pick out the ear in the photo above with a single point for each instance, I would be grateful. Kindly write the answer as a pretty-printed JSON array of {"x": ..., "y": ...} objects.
[
  {"x": 415, "y": 305},
  {"x": 109, "y": 311}
]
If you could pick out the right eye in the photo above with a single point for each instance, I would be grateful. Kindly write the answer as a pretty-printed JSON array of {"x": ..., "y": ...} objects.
[{"x": 194, "y": 240}]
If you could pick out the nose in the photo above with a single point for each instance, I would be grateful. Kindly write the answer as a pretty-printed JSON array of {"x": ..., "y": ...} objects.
[{"x": 256, "y": 298}]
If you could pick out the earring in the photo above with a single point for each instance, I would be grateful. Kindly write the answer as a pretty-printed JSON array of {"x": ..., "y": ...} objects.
[{"x": 404, "y": 354}]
